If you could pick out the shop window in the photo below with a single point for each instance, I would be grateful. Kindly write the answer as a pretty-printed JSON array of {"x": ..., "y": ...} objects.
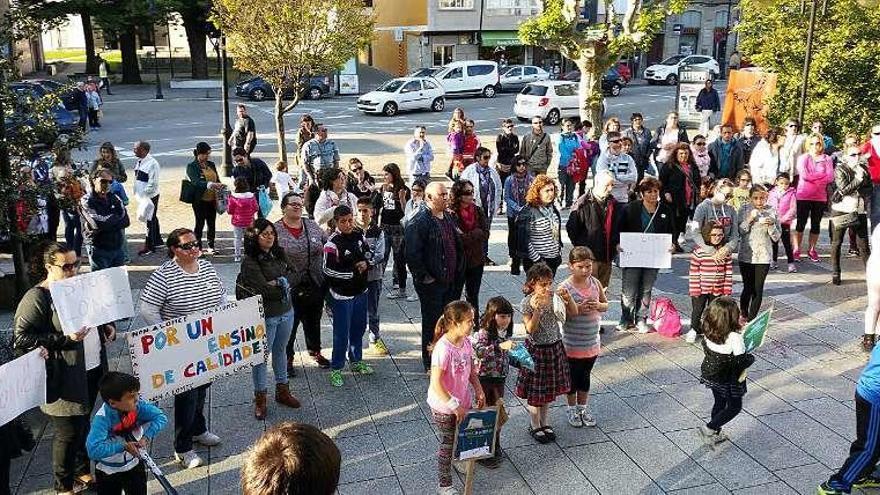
[
  {"x": 443, "y": 54},
  {"x": 512, "y": 7},
  {"x": 456, "y": 4}
]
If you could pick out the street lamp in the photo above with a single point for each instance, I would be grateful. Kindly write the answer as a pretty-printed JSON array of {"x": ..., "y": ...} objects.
[
  {"x": 159, "y": 95},
  {"x": 219, "y": 41},
  {"x": 808, "y": 59}
]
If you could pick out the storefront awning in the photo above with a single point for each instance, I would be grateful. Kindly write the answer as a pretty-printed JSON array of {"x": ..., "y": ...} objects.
[{"x": 501, "y": 38}]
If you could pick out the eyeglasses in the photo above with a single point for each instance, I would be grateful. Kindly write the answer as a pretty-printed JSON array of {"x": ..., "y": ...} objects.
[
  {"x": 188, "y": 246},
  {"x": 69, "y": 267},
  {"x": 294, "y": 205},
  {"x": 613, "y": 141},
  {"x": 853, "y": 155},
  {"x": 701, "y": 143},
  {"x": 106, "y": 181}
]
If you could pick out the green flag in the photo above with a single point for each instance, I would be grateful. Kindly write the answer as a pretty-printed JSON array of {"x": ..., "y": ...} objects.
[{"x": 755, "y": 330}]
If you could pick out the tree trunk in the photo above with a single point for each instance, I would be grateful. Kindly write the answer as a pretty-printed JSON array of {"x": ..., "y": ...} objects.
[
  {"x": 279, "y": 125},
  {"x": 590, "y": 91},
  {"x": 131, "y": 71},
  {"x": 194, "y": 25},
  {"x": 89, "y": 35}
]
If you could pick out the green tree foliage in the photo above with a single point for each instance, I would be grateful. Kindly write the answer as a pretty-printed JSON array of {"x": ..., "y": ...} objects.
[
  {"x": 595, "y": 48},
  {"x": 844, "y": 79},
  {"x": 285, "y": 41}
]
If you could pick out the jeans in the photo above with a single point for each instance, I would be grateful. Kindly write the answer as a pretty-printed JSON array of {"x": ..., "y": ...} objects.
[
  {"x": 568, "y": 186},
  {"x": 473, "y": 278},
  {"x": 277, "y": 334},
  {"x": 433, "y": 298},
  {"x": 154, "y": 236},
  {"x": 698, "y": 305},
  {"x": 349, "y": 325},
  {"x": 706, "y": 121},
  {"x": 106, "y": 258},
  {"x": 69, "y": 458},
  {"x": 238, "y": 239},
  {"x": 374, "y": 289},
  {"x": 189, "y": 417},
  {"x": 206, "y": 213},
  {"x": 105, "y": 84},
  {"x": 635, "y": 293},
  {"x": 394, "y": 244},
  {"x": 724, "y": 410},
  {"x": 837, "y": 235},
  {"x": 73, "y": 231},
  {"x": 132, "y": 482}
]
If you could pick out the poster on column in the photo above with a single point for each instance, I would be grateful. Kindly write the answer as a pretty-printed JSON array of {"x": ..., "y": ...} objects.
[
  {"x": 640, "y": 250},
  {"x": 22, "y": 385},
  {"x": 183, "y": 353},
  {"x": 92, "y": 299}
]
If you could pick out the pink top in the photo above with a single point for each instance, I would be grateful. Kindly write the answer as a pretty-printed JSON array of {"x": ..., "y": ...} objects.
[
  {"x": 785, "y": 204},
  {"x": 815, "y": 175},
  {"x": 242, "y": 208},
  {"x": 456, "y": 363}
]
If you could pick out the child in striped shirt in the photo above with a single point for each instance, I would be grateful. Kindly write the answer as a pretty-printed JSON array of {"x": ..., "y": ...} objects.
[
  {"x": 710, "y": 275},
  {"x": 580, "y": 332}
]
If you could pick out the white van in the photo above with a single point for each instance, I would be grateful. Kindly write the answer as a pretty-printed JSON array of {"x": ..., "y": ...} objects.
[{"x": 470, "y": 77}]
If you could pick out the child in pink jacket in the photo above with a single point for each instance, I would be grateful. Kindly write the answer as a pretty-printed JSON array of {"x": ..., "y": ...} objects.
[
  {"x": 242, "y": 208},
  {"x": 783, "y": 198}
]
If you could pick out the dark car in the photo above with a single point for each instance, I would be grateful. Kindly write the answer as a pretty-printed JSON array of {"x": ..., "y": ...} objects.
[
  {"x": 67, "y": 121},
  {"x": 257, "y": 89},
  {"x": 612, "y": 83}
]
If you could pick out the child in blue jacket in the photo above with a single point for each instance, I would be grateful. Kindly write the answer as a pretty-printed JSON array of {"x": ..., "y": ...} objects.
[{"x": 118, "y": 467}]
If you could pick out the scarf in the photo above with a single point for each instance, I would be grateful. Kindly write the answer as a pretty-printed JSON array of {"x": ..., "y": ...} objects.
[
  {"x": 688, "y": 187},
  {"x": 487, "y": 188},
  {"x": 127, "y": 423},
  {"x": 519, "y": 186},
  {"x": 703, "y": 160},
  {"x": 468, "y": 215}
]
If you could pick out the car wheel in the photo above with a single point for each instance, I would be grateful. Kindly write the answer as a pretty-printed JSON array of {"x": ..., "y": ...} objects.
[
  {"x": 672, "y": 79},
  {"x": 258, "y": 94},
  {"x": 489, "y": 92},
  {"x": 553, "y": 117},
  {"x": 315, "y": 93},
  {"x": 438, "y": 104},
  {"x": 390, "y": 109},
  {"x": 615, "y": 90}
]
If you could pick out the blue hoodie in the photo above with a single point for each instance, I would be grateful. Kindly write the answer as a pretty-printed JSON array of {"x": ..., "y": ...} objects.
[{"x": 107, "y": 449}]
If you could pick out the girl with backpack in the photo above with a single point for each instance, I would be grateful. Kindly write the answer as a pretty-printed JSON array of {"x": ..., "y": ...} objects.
[
  {"x": 709, "y": 277},
  {"x": 724, "y": 366}
]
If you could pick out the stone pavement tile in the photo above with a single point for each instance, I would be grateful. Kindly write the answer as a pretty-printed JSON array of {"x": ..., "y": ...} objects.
[
  {"x": 624, "y": 380},
  {"x": 658, "y": 368},
  {"x": 421, "y": 479},
  {"x": 778, "y": 488},
  {"x": 688, "y": 357},
  {"x": 730, "y": 466},
  {"x": 505, "y": 479},
  {"x": 830, "y": 382},
  {"x": 515, "y": 432},
  {"x": 805, "y": 479},
  {"x": 663, "y": 412},
  {"x": 764, "y": 445},
  {"x": 412, "y": 442},
  {"x": 758, "y": 401},
  {"x": 195, "y": 481},
  {"x": 363, "y": 458},
  {"x": 388, "y": 485},
  {"x": 827, "y": 447},
  {"x": 710, "y": 489},
  {"x": 668, "y": 466},
  {"x": 225, "y": 475},
  {"x": 784, "y": 385},
  {"x": 782, "y": 356},
  {"x": 236, "y": 427},
  {"x": 613, "y": 414},
  {"x": 37, "y": 484},
  {"x": 610, "y": 470},
  {"x": 546, "y": 468},
  {"x": 831, "y": 414},
  {"x": 344, "y": 419},
  {"x": 693, "y": 396},
  {"x": 237, "y": 389},
  {"x": 568, "y": 436},
  {"x": 40, "y": 461}
]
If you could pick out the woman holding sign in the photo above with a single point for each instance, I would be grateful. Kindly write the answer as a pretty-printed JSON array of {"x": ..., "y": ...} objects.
[
  {"x": 71, "y": 387},
  {"x": 182, "y": 286},
  {"x": 649, "y": 216}
]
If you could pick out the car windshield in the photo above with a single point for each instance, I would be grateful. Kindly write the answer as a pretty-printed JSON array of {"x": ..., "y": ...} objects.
[
  {"x": 672, "y": 60},
  {"x": 534, "y": 90},
  {"x": 390, "y": 86}
]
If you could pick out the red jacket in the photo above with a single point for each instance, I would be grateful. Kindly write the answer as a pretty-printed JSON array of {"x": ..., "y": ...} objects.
[{"x": 873, "y": 161}]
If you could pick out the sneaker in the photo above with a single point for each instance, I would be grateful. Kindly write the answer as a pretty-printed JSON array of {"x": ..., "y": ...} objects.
[
  {"x": 361, "y": 368},
  {"x": 587, "y": 418},
  {"x": 643, "y": 327},
  {"x": 623, "y": 327},
  {"x": 869, "y": 481},
  {"x": 707, "y": 434},
  {"x": 854, "y": 252},
  {"x": 868, "y": 341},
  {"x": 379, "y": 348},
  {"x": 189, "y": 460},
  {"x": 447, "y": 490},
  {"x": 209, "y": 251},
  {"x": 796, "y": 254},
  {"x": 824, "y": 489},
  {"x": 792, "y": 268},
  {"x": 574, "y": 418},
  {"x": 207, "y": 439},
  {"x": 336, "y": 378},
  {"x": 394, "y": 293},
  {"x": 237, "y": 259},
  {"x": 774, "y": 266},
  {"x": 412, "y": 297},
  {"x": 690, "y": 337},
  {"x": 814, "y": 256}
]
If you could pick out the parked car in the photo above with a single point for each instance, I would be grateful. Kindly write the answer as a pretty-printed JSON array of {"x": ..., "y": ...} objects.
[
  {"x": 404, "y": 93},
  {"x": 667, "y": 70},
  {"x": 65, "y": 120},
  {"x": 257, "y": 89},
  {"x": 612, "y": 83},
  {"x": 68, "y": 98},
  {"x": 550, "y": 100},
  {"x": 470, "y": 77},
  {"x": 425, "y": 72},
  {"x": 515, "y": 77}
]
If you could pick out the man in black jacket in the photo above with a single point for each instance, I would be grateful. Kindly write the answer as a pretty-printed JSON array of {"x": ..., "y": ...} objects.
[
  {"x": 104, "y": 218},
  {"x": 593, "y": 223},
  {"x": 728, "y": 155},
  {"x": 435, "y": 259},
  {"x": 254, "y": 170}
]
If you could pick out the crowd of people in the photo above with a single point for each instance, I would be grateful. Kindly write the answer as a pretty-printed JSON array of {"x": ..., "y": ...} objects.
[{"x": 717, "y": 195}]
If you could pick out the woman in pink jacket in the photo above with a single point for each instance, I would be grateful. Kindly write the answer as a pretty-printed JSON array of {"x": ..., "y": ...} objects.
[
  {"x": 816, "y": 171},
  {"x": 784, "y": 200},
  {"x": 242, "y": 208}
]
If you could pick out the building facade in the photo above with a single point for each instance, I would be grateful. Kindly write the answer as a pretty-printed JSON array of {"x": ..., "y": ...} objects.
[{"x": 705, "y": 28}]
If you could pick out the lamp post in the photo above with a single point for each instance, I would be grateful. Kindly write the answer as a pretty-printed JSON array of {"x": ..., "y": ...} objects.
[
  {"x": 807, "y": 61},
  {"x": 159, "y": 95},
  {"x": 219, "y": 41}
]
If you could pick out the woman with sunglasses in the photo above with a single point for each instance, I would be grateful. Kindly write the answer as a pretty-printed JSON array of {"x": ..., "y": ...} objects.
[
  {"x": 816, "y": 171},
  {"x": 702, "y": 158},
  {"x": 74, "y": 365},
  {"x": 303, "y": 242},
  {"x": 506, "y": 147},
  {"x": 791, "y": 149},
  {"x": 848, "y": 205},
  {"x": 183, "y": 285},
  {"x": 359, "y": 181},
  {"x": 515, "y": 189},
  {"x": 471, "y": 220}
]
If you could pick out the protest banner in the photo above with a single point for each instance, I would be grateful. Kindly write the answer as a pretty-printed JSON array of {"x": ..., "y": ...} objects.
[
  {"x": 748, "y": 94},
  {"x": 640, "y": 250},
  {"x": 92, "y": 299},
  {"x": 755, "y": 330},
  {"x": 22, "y": 385},
  {"x": 183, "y": 353}
]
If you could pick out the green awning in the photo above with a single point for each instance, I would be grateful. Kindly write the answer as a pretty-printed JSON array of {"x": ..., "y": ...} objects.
[{"x": 500, "y": 38}]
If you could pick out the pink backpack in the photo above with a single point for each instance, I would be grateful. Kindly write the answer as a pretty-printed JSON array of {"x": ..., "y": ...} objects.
[{"x": 667, "y": 321}]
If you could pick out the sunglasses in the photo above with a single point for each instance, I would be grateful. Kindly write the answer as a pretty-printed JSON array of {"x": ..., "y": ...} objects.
[
  {"x": 485, "y": 157},
  {"x": 613, "y": 141},
  {"x": 356, "y": 169},
  {"x": 188, "y": 246},
  {"x": 702, "y": 143},
  {"x": 508, "y": 127},
  {"x": 69, "y": 267},
  {"x": 106, "y": 181},
  {"x": 467, "y": 192},
  {"x": 875, "y": 133}
]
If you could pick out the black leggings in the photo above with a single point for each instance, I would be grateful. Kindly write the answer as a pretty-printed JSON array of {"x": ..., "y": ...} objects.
[
  {"x": 786, "y": 244},
  {"x": 206, "y": 213},
  {"x": 308, "y": 312},
  {"x": 579, "y": 370},
  {"x": 837, "y": 235},
  {"x": 813, "y": 210},
  {"x": 69, "y": 458},
  {"x": 473, "y": 278},
  {"x": 725, "y": 409},
  {"x": 753, "y": 276},
  {"x": 553, "y": 263},
  {"x": 679, "y": 224},
  {"x": 698, "y": 305}
]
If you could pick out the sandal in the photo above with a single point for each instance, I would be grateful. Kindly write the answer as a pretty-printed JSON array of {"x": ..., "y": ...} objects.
[
  {"x": 548, "y": 431},
  {"x": 539, "y": 435}
]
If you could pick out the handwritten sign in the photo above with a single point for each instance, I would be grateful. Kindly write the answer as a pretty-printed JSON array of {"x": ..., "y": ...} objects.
[
  {"x": 645, "y": 250},
  {"x": 180, "y": 354},
  {"x": 475, "y": 435},
  {"x": 755, "y": 330},
  {"x": 92, "y": 299},
  {"x": 22, "y": 385}
]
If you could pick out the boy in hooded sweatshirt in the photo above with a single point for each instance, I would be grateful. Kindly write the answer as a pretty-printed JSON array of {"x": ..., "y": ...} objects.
[
  {"x": 242, "y": 208},
  {"x": 375, "y": 238}
]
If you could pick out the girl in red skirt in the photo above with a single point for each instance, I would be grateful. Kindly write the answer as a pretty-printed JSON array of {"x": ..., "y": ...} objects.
[{"x": 544, "y": 314}]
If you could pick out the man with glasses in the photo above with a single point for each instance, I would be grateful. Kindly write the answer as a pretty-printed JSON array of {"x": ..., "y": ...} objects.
[
  {"x": 536, "y": 148},
  {"x": 434, "y": 256},
  {"x": 871, "y": 151},
  {"x": 727, "y": 153},
  {"x": 487, "y": 187},
  {"x": 621, "y": 166},
  {"x": 104, "y": 219},
  {"x": 641, "y": 142}
]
